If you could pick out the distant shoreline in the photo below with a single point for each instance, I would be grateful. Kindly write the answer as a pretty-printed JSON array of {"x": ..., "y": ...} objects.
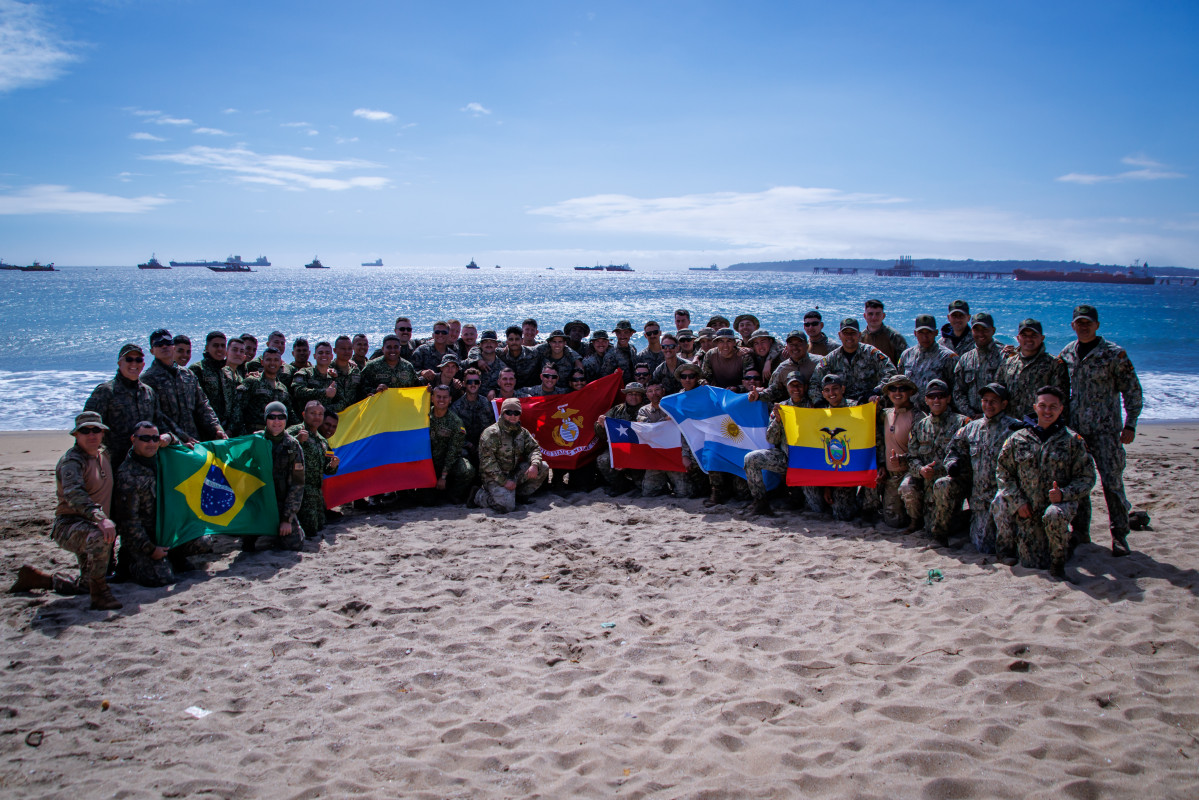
[{"x": 948, "y": 265}]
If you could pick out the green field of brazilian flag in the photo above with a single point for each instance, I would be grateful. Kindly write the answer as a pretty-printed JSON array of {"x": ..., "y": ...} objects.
[{"x": 216, "y": 487}]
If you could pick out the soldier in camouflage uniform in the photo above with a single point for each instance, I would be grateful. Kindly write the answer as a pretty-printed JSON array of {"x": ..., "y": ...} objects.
[
  {"x": 426, "y": 360},
  {"x": 210, "y": 374},
  {"x": 977, "y": 368},
  {"x": 1042, "y": 473},
  {"x": 287, "y": 469},
  {"x": 235, "y": 367},
  {"x": 860, "y": 367},
  {"x": 1100, "y": 376},
  {"x": 619, "y": 480},
  {"x": 256, "y": 393},
  {"x": 323, "y": 383},
  {"x": 798, "y": 359},
  {"x": 664, "y": 372},
  {"x": 349, "y": 375},
  {"x": 484, "y": 359},
  {"x": 593, "y": 363},
  {"x": 840, "y": 501},
  {"x": 124, "y": 401},
  {"x": 549, "y": 384},
  {"x": 955, "y": 334},
  {"x": 524, "y": 361},
  {"x": 775, "y": 458},
  {"x": 655, "y": 481},
  {"x": 688, "y": 376},
  {"x": 623, "y": 355},
  {"x": 277, "y": 340},
  {"x": 1030, "y": 368},
  {"x": 725, "y": 364},
  {"x": 819, "y": 344},
  {"x": 408, "y": 345},
  {"x": 300, "y": 350},
  {"x": 554, "y": 350},
  {"x": 475, "y": 411},
  {"x": 652, "y": 355},
  {"x": 135, "y": 511},
  {"x": 510, "y": 464},
  {"x": 179, "y": 396},
  {"x": 927, "y": 447},
  {"x": 388, "y": 371},
  {"x": 927, "y": 360},
  {"x": 883, "y": 338},
  {"x": 972, "y": 454},
  {"x": 318, "y": 462},
  {"x": 447, "y": 438}
]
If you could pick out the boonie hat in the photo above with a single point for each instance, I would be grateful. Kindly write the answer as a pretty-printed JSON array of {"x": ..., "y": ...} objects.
[
  {"x": 130, "y": 347},
  {"x": 899, "y": 382},
  {"x": 88, "y": 419},
  {"x": 623, "y": 325},
  {"x": 982, "y": 318},
  {"x": 599, "y": 335},
  {"x": 557, "y": 335},
  {"x": 685, "y": 333},
  {"x": 742, "y": 317},
  {"x": 761, "y": 333},
  {"x": 578, "y": 323},
  {"x": 450, "y": 358},
  {"x": 1086, "y": 312},
  {"x": 633, "y": 387},
  {"x": 705, "y": 333},
  {"x": 926, "y": 322},
  {"x": 686, "y": 366},
  {"x": 726, "y": 333}
]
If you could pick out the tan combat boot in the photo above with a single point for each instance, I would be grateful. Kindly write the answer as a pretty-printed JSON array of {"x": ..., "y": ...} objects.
[{"x": 102, "y": 599}]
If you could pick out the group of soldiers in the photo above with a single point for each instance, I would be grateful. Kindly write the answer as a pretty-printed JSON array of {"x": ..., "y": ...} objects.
[{"x": 1013, "y": 431}]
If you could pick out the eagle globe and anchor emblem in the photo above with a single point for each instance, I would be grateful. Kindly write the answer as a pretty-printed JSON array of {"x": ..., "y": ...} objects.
[
  {"x": 567, "y": 432},
  {"x": 836, "y": 447}
]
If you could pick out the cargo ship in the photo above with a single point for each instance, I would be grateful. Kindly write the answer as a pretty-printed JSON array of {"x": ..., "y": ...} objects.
[
  {"x": 316, "y": 264},
  {"x": 712, "y": 268},
  {"x": 609, "y": 268},
  {"x": 153, "y": 263},
  {"x": 34, "y": 267},
  {"x": 1137, "y": 275},
  {"x": 228, "y": 262},
  {"x": 378, "y": 262}
]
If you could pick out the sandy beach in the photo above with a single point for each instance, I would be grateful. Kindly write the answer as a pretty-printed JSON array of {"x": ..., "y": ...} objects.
[{"x": 590, "y": 647}]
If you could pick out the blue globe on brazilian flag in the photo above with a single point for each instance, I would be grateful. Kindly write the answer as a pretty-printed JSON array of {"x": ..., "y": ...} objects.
[{"x": 216, "y": 487}]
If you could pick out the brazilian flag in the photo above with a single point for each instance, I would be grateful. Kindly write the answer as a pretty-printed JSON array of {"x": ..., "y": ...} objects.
[{"x": 223, "y": 486}]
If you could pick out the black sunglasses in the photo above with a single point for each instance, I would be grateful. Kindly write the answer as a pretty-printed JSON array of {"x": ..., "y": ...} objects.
[
  {"x": 276, "y": 416},
  {"x": 134, "y": 360},
  {"x": 406, "y": 330},
  {"x": 511, "y": 413},
  {"x": 688, "y": 376},
  {"x": 441, "y": 333},
  {"x": 812, "y": 324},
  {"x": 145, "y": 437},
  {"x": 475, "y": 382},
  {"x": 549, "y": 375},
  {"x": 89, "y": 431},
  {"x": 653, "y": 333}
]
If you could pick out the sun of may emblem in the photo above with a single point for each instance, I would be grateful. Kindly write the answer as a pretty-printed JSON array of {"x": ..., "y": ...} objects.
[
  {"x": 836, "y": 447},
  {"x": 731, "y": 429},
  {"x": 567, "y": 432}
]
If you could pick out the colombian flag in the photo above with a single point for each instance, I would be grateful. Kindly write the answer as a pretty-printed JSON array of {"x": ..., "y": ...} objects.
[
  {"x": 830, "y": 446},
  {"x": 382, "y": 443},
  {"x": 216, "y": 487}
]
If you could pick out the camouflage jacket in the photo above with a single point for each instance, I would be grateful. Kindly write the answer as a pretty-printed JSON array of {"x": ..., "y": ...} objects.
[
  {"x": 288, "y": 371},
  {"x": 489, "y": 374},
  {"x": 973, "y": 372},
  {"x": 623, "y": 358},
  {"x": 1097, "y": 383},
  {"x": 135, "y": 503},
  {"x": 566, "y": 361},
  {"x": 888, "y": 341},
  {"x": 866, "y": 370},
  {"x": 378, "y": 371},
  {"x": 216, "y": 386},
  {"x": 776, "y": 434},
  {"x": 975, "y": 448},
  {"x": 71, "y": 477},
  {"x": 922, "y": 366},
  {"x": 960, "y": 346},
  {"x": 619, "y": 411},
  {"x": 122, "y": 404},
  {"x": 654, "y": 360},
  {"x": 447, "y": 435},
  {"x": 505, "y": 452},
  {"x": 1028, "y": 468},
  {"x": 316, "y": 463},
  {"x": 664, "y": 375},
  {"x": 526, "y": 363},
  {"x": 593, "y": 367},
  {"x": 929, "y": 442},
  {"x": 778, "y": 379},
  {"x": 287, "y": 468},
  {"x": 182, "y": 402},
  {"x": 476, "y": 416},
  {"x": 307, "y": 385},
  {"x": 537, "y": 391},
  {"x": 427, "y": 357},
  {"x": 1023, "y": 376},
  {"x": 250, "y": 402}
]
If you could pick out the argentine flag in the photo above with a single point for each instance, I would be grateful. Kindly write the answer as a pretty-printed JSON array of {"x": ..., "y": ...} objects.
[{"x": 720, "y": 427}]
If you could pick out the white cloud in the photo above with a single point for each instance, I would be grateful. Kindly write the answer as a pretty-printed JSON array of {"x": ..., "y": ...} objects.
[
  {"x": 1150, "y": 170},
  {"x": 173, "y": 121},
  {"x": 374, "y": 116},
  {"x": 142, "y": 136},
  {"x": 476, "y": 109},
  {"x": 138, "y": 112},
  {"x": 229, "y": 111},
  {"x": 294, "y": 125},
  {"x": 313, "y": 133},
  {"x": 344, "y": 140},
  {"x": 48, "y": 199},
  {"x": 30, "y": 52},
  {"x": 212, "y": 131},
  {"x": 288, "y": 172}
]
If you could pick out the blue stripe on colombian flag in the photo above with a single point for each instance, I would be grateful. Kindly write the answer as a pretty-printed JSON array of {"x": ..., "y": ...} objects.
[{"x": 385, "y": 448}]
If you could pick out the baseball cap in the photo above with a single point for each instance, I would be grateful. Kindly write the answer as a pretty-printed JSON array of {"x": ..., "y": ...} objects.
[
  {"x": 926, "y": 322},
  {"x": 850, "y": 322},
  {"x": 982, "y": 318},
  {"x": 1086, "y": 312}
]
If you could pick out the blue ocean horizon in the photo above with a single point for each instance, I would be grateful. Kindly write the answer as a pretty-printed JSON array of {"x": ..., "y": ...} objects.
[{"x": 63, "y": 329}]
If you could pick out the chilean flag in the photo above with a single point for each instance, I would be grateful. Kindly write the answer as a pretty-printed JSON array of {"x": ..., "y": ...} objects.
[{"x": 645, "y": 445}]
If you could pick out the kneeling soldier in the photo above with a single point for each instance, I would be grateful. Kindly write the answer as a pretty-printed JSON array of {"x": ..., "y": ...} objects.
[
  {"x": 510, "y": 462},
  {"x": 287, "y": 468}
]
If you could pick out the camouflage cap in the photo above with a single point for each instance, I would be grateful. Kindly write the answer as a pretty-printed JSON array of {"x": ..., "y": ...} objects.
[
  {"x": 984, "y": 319},
  {"x": 274, "y": 407},
  {"x": 488, "y": 336},
  {"x": 556, "y": 335},
  {"x": 623, "y": 325},
  {"x": 851, "y": 322},
  {"x": 742, "y": 317},
  {"x": 1085, "y": 312},
  {"x": 705, "y": 333},
  {"x": 725, "y": 333},
  {"x": 959, "y": 307},
  {"x": 797, "y": 334},
  {"x": 832, "y": 379},
  {"x": 599, "y": 335},
  {"x": 997, "y": 389},
  {"x": 761, "y": 333},
  {"x": 130, "y": 347},
  {"x": 450, "y": 358},
  {"x": 633, "y": 387},
  {"x": 685, "y": 333},
  {"x": 899, "y": 382},
  {"x": 90, "y": 419},
  {"x": 936, "y": 386},
  {"x": 686, "y": 366},
  {"x": 1032, "y": 324},
  {"x": 796, "y": 377},
  {"x": 926, "y": 322}
]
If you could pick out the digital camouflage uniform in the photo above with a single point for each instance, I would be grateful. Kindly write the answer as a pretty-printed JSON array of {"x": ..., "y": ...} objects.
[
  {"x": 427, "y": 356},
  {"x": 316, "y": 466},
  {"x": 378, "y": 371},
  {"x": 778, "y": 379},
  {"x": 840, "y": 501},
  {"x": 289, "y": 473},
  {"x": 961, "y": 346},
  {"x": 622, "y": 358},
  {"x": 867, "y": 369},
  {"x": 616, "y": 478},
  {"x": 888, "y": 341},
  {"x": 651, "y": 359},
  {"x": 656, "y": 481},
  {"x": 593, "y": 366},
  {"x": 889, "y": 499},
  {"x": 307, "y": 385},
  {"x": 182, "y": 402},
  {"x": 216, "y": 387},
  {"x": 476, "y": 417},
  {"x": 489, "y": 374},
  {"x": 250, "y": 402},
  {"x": 506, "y": 451},
  {"x": 929, "y": 444},
  {"x": 122, "y": 404},
  {"x": 922, "y": 365},
  {"x": 135, "y": 511},
  {"x": 78, "y": 515},
  {"x": 538, "y": 391},
  {"x": 288, "y": 372},
  {"x": 565, "y": 363},
  {"x": 1024, "y": 376},
  {"x": 526, "y": 363},
  {"x": 664, "y": 375},
  {"x": 973, "y": 372},
  {"x": 975, "y": 449},
  {"x": 1098, "y": 382},
  {"x": 1026, "y": 472},
  {"x": 447, "y": 437},
  {"x": 773, "y": 459}
]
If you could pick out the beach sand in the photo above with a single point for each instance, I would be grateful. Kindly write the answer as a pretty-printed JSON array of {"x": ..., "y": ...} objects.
[{"x": 450, "y": 652}]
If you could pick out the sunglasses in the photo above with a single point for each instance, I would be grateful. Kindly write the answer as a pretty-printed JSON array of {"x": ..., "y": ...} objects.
[
  {"x": 473, "y": 383},
  {"x": 134, "y": 360},
  {"x": 812, "y": 324},
  {"x": 577, "y": 378},
  {"x": 404, "y": 330},
  {"x": 688, "y": 376},
  {"x": 511, "y": 413},
  {"x": 549, "y": 375},
  {"x": 670, "y": 347},
  {"x": 441, "y": 333},
  {"x": 145, "y": 437},
  {"x": 276, "y": 416},
  {"x": 936, "y": 396},
  {"x": 89, "y": 431},
  {"x": 161, "y": 343},
  {"x": 753, "y": 377},
  {"x": 653, "y": 333}
]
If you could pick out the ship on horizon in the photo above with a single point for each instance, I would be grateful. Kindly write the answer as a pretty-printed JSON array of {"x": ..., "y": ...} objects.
[
  {"x": 472, "y": 265},
  {"x": 34, "y": 267},
  {"x": 261, "y": 261},
  {"x": 315, "y": 264},
  {"x": 153, "y": 263},
  {"x": 608, "y": 268},
  {"x": 1137, "y": 275},
  {"x": 378, "y": 262}
]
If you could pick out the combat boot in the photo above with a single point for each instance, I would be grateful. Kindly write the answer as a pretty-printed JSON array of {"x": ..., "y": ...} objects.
[
  {"x": 29, "y": 578},
  {"x": 761, "y": 507},
  {"x": 102, "y": 599}
]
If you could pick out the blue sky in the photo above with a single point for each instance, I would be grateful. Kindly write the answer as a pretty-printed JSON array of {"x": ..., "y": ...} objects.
[{"x": 560, "y": 133}]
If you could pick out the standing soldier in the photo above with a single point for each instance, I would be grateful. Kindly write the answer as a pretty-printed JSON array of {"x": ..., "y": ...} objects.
[
  {"x": 976, "y": 369},
  {"x": 251, "y": 343},
  {"x": 971, "y": 457},
  {"x": 124, "y": 401},
  {"x": 300, "y": 350},
  {"x": 1043, "y": 471},
  {"x": 183, "y": 404},
  {"x": 860, "y": 367},
  {"x": 840, "y": 501},
  {"x": 426, "y": 359},
  {"x": 893, "y": 443},
  {"x": 319, "y": 382},
  {"x": 883, "y": 337},
  {"x": 524, "y": 361},
  {"x": 348, "y": 374},
  {"x": 1030, "y": 368},
  {"x": 361, "y": 346},
  {"x": 210, "y": 374},
  {"x": 955, "y": 334},
  {"x": 593, "y": 365},
  {"x": 475, "y": 411},
  {"x": 183, "y": 350},
  {"x": 927, "y": 448},
  {"x": 319, "y": 461},
  {"x": 235, "y": 366},
  {"x": 818, "y": 341},
  {"x": 623, "y": 355},
  {"x": 388, "y": 371},
  {"x": 287, "y": 469},
  {"x": 927, "y": 360},
  {"x": 510, "y": 464},
  {"x": 1100, "y": 376},
  {"x": 447, "y": 437},
  {"x": 798, "y": 360},
  {"x": 257, "y": 392},
  {"x": 277, "y": 340}
]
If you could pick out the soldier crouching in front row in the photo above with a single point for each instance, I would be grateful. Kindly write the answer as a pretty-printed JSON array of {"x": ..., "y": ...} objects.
[{"x": 510, "y": 464}]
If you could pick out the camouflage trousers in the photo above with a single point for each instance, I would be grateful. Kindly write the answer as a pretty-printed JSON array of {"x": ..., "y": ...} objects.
[
  {"x": 146, "y": 571},
  {"x": 457, "y": 481},
  {"x": 894, "y": 512},
  {"x": 1109, "y": 457},
  {"x": 617, "y": 478},
  {"x": 83, "y": 538},
  {"x": 946, "y": 498},
  {"x": 841, "y": 502},
  {"x": 772, "y": 460},
  {"x": 312, "y": 511},
  {"x": 917, "y": 495},
  {"x": 1038, "y": 541},
  {"x": 729, "y": 484},
  {"x": 495, "y": 496},
  {"x": 982, "y": 524},
  {"x": 656, "y": 482}
]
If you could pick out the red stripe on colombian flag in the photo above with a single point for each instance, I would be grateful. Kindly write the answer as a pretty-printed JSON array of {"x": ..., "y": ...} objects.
[
  {"x": 831, "y": 477},
  {"x": 352, "y": 486}
]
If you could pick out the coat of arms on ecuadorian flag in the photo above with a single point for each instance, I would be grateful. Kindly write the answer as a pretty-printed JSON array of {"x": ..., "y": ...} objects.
[
  {"x": 216, "y": 487},
  {"x": 830, "y": 446},
  {"x": 383, "y": 445}
]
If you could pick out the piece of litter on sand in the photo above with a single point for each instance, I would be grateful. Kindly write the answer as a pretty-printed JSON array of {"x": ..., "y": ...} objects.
[
  {"x": 934, "y": 575},
  {"x": 197, "y": 712},
  {"x": 607, "y": 624}
]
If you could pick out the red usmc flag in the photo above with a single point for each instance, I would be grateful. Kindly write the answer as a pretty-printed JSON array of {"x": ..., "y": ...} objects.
[{"x": 564, "y": 424}]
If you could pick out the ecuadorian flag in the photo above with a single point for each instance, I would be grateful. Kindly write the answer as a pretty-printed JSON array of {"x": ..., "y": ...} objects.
[
  {"x": 216, "y": 487},
  {"x": 830, "y": 446},
  {"x": 382, "y": 443}
]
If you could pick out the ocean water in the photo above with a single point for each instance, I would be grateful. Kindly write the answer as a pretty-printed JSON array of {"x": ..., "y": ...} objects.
[{"x": 61, "y": 331}]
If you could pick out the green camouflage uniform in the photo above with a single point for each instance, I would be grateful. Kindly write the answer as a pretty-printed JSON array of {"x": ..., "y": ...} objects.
[
  {"x": 287, "y": 372},
  {"x": 1097, "y": 384},
  {"x": 593, "y": 367},
  {"x": 923, "y": 365},
  {"x": 250, "y": 402},
  {"x": 135, "y": 511},
  {"x": 122, "y": 404},
  {"x": 307, "y": 385},
  {"x": 975, "y": 449},
  {"x": 506, "y": 451},
  {"x": 182, "y": 402},
  {"x": 820, "y": 345},
  {"x": 961, "y": 346},
  {"x": 773, "y": 459},
  {"x": 862, "y": 374},
  {"x": 476, "y": 417},
  {"x": 77, "y": 516},
  {"x": 447, "y": 437},
  {"x": 565, "y": 364},
  {"x": 526, "y": 363},
  {"x": 664, "y": 375},
  {"x": 617, "y": 478},
  {"x": 538, "y": 391},
  {"x": 1026, "y": 472},
  {"x": 216, "y": 387},
  {"x": 1024, "y": 376},
  {"x": 778, "y": 379},
  {"x": 973, "y": 372},
  {"x": 656, "y": 481},
  {"x": 650, "y": 358},
  {"x": 378, "y": 371},
  {"x": 840, "y": 501},
  {"x": 624, "y": 359},
  {"x": 427, "y": 356},
  {"x": 888, "y": 341},
  {"x": 489, "y": 374},
  {"x": 316, "y": 466},
  {"x": 929, "y": 444},
  {"x": 290, "y": 475}
]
